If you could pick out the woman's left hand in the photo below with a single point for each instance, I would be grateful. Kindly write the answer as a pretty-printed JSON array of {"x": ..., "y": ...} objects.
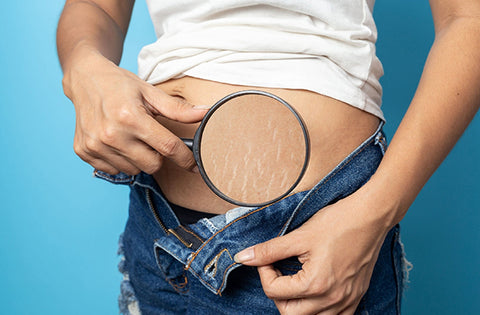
[{"x": 338, "y": 248}]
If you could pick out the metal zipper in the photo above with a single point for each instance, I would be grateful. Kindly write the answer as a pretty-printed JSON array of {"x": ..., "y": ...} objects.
[
  {"x": 154, "y": 212},
  {"x": 157, "y": 218}
]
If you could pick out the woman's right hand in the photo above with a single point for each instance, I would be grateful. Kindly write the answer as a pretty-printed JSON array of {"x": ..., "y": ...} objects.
[{"x": 115, "y": 126}]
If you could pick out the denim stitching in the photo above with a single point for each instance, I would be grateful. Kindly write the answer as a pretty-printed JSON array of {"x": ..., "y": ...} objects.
[
  {"x": 224, "y": 278},
  {"x": 300, "y": 206},
  {"x": 169, "y": 252},
  {"x": 158, "y": 263},
  {"x": 175, "y": 286},
  {"x": 203, "y": 281},
  {"x": 345, "y": 163},
  {"x": 179, "y": 287},
  {"x": 374, "y": 137},
  {"x": 214, "y": 262},
  {"x": 219, "y": 290},
  {"x": 195, "y": 254},
  {"x": 211, "y": 237}
]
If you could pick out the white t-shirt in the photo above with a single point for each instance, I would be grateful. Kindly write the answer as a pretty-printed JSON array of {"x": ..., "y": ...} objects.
[{"x": 325, "y": 46}]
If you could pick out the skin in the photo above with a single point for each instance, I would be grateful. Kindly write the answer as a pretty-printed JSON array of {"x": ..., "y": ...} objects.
[
  {"x": 335, "y": 129},
  {"x": 113, "y": 134},
  {"x": 438, "y": 115}
]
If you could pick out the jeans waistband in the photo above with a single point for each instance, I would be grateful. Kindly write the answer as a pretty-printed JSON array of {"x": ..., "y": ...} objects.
[{"x": 206, "y": 248}]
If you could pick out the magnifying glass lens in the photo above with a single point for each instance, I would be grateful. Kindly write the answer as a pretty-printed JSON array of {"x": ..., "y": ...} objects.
[{"x": 253, "y": 149}]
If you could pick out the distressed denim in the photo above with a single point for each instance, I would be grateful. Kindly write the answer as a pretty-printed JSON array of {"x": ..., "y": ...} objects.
[{"x": 175, "y": 269}]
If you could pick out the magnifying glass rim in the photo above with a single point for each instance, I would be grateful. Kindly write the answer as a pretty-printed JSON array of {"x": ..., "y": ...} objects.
[{"x": 199, "y": 134}]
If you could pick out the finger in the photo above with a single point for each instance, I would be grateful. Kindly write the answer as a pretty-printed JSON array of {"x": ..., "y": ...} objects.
[
  {"x": 304, "y": 306},
  {"x": 142, "y": 156},
  {"x": 277, "y": 286},
  {"x": 94, "y": 160},
  {"x": 175, "y": 108},
  {"x": 119, "y": 162},
  {"x": 318, "y": 304},
  {"x": 108, "y": 161},
  {"x": 166, "y": 143},
  {"x": 104, "y": 167},
  {"x": 286, "y": 307},
  {"x": 271, "y": 251}
]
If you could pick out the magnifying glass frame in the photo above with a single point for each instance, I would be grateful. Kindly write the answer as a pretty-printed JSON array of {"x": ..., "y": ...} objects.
[{"x": 195, "y": 145}]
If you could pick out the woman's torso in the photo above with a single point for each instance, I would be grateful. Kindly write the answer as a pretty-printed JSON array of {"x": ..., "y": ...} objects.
[{"x": 335, "y": 129}]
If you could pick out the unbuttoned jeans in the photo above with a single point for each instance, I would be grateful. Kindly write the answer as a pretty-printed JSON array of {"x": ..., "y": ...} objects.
[{"x": 175, "y": 269}]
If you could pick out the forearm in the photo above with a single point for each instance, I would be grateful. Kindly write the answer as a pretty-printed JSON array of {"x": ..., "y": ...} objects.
[
  {"x": 86, "y": 27},
  {"x": 447, "y": 98}
]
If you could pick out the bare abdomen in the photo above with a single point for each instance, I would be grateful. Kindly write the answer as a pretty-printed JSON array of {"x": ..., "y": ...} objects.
[{"x": 335, "y": 129}]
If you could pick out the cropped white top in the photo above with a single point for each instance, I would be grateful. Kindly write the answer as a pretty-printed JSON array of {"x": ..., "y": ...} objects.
[{"x": 324, "y": 46}]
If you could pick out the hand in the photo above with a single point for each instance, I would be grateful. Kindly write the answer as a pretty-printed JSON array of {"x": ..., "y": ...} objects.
[
  {"x": 338, "y": 248},
  {"x": 115, "y": 125}
]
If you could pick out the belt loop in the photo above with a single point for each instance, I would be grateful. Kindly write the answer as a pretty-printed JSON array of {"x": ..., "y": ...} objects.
[{"x": 380, "y": 139}]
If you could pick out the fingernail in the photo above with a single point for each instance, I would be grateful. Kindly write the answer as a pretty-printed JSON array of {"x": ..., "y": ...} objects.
[
  {"x": 245, "y": 255},
  {"x": 201, "y": 107},
  {"x": 195, "y": 169}
]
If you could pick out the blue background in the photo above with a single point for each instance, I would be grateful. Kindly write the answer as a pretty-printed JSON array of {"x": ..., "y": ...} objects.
[{"x": 59, "y": 226}]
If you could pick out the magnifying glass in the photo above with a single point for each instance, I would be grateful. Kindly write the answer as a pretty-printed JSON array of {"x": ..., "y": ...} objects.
[{"x": 252, "y": 148}]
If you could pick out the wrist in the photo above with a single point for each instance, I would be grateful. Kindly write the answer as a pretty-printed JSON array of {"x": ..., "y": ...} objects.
[
  {"x": 384, "y": 204},
  {"x": 82, "y": 59}
]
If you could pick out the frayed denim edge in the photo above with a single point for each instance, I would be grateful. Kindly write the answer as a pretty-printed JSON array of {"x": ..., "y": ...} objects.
[
  {"x": 407, "y": 266},
  {"x": 127, "y": 301}
]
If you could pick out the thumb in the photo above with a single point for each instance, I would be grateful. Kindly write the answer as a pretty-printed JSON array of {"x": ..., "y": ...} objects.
[
  {"x": 172, "y": 107},
  {"x": 271, "y": 251}
]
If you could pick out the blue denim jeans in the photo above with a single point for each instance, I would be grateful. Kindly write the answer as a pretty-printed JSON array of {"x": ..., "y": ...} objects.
[{"x": 175, "y": 269}]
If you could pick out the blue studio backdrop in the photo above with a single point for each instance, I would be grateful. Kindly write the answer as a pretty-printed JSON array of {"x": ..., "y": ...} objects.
[{"x": 59, "y": 226}]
